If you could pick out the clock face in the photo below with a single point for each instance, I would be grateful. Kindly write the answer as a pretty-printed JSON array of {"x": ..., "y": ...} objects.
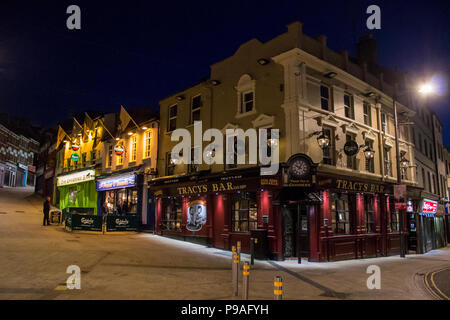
[{"x": 299, "y": 168}]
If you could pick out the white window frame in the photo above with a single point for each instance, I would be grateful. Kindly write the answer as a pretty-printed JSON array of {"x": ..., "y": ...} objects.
[
  {"x": 171, "y": 118},
  {"x": 133, "y": 148},
  {"x": 148, "y": 136}
]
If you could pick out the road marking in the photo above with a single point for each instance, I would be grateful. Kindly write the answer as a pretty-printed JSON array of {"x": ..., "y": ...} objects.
[{"x": 439, "y": 294}]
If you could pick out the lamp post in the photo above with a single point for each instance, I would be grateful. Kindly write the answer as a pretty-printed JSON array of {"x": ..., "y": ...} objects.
[{"x": 425, "y": 89}]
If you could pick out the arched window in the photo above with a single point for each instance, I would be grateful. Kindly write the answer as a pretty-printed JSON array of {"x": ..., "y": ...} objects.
[{"x": 246, "y": 96}]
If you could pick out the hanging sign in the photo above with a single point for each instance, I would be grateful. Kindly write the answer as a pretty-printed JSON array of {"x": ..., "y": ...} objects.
[
  {"x": 400, "y": 196},
  {"x": 429, "y": 207},
  {"x": 351, "y": 148},
  {"x": 75, "y": 157},
  {"x": 75, "y": 147},
  {"x": 196, "y": 215},
  {"x": 119, "y": 149}
]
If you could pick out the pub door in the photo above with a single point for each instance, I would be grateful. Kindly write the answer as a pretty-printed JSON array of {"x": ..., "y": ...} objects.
[{"x": 296, "y": 231}]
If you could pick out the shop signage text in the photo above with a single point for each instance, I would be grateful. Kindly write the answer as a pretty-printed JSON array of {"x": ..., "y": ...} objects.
[
  {"x": 213, "y": 187},
  {"x": 116, "y": 182},
  {"x": 119, "y": 149},
  {"x": 359, "y": 186},
  {"x": 76, "y": 177},
  {"x": 429, "y": 207}
]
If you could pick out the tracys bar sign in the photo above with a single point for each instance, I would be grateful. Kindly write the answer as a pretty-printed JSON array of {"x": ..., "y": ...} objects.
[
  {"x": 359, "y": 186},
  {"x": 121, "y": 223},
  {"x": 122, "y": 181},
  {"x": 77, "y": 177},
  {"x": 212, "y": 187}
]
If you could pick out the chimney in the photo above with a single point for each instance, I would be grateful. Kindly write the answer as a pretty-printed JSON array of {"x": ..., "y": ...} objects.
[{"x": 367, "y": 53}]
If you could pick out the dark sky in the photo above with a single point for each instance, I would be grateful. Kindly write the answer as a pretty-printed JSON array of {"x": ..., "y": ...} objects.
[{"x": 137, "y": 52}]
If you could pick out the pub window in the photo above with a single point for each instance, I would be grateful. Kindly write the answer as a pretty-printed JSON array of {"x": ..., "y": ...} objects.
[
  {"x": 387, "y": 162},
  {"x": 119, "y": 160},
  {"x": 394, "y": 225},
  {"x": 244, "y": 212},
  {"x": 340, "y": 213},
  {"x": 83, "y": 156},
  {"x": 231, "y": 161},
  {"x": 172, "y": 215},
  {"x": 370, "y": 163},
  {"x": 351, "y": 160},
  {"x": 192, "y": 166},
  {"x": 384, "y": 126},
  {"x": 348, "y": 106},
  {"x": 110, "y": 155},
  {"x": 329, "y": 153},
  {"x": 170, "y": 165},
  {"x": 370, "y": 213},
  {"x": 133, "y": 147},
  {"x": 247, "y": 101},
  {"x": 325, "y": 100},
  {"x": 195, "y": 108},
  {"x": 172, "y": 125},
  {"x": 367, "y": 114},
  {"x": 148, "y": 144}
]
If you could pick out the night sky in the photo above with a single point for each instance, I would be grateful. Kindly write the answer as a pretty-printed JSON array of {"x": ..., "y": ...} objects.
[{"x": 136, "y": 52}]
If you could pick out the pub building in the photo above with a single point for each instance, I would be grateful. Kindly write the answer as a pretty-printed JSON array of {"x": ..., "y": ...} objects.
[
  {"x": 314, "y": 216},
  {"x": 218, "y": 209}
]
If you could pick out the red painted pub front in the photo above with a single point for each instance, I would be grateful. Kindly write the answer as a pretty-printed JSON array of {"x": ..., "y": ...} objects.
[{"x": 325, "y": 218}]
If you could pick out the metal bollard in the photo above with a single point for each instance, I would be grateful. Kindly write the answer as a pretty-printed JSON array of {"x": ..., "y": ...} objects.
[
  {"x": 252, "y": 251},
  {"x": 245, "y": 280},
  {"x": 278, "y": 288},
  {"x": 235, "y": 274}
]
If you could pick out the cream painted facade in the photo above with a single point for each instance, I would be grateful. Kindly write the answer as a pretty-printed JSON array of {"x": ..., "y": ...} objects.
[{"x": 286, "y": 96}]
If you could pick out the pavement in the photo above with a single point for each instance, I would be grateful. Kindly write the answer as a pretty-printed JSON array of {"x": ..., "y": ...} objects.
[{"x": 34, "y": 260}]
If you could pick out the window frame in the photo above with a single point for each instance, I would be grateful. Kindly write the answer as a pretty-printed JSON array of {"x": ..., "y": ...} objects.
[
  {"x": 171, "y": 118},
  {"x": 369, "y": 212},
  {"x": 196, "y": 109},
  {"x": 148, "y": 136},
  {"x": 133, "y": 148},
  {"x": 368, "y": 115},
  {"x": 252, "y": 206},
  {"x": 331, "y": 159},
  {"x": 350, "y": 107},
  {"x": 335, "y": 213},
  {"x": 327, "y": 99}
]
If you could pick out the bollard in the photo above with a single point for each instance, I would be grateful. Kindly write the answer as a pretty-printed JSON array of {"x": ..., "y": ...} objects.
[
  {"x": 235, "y": 274},
  {"x": 245, "y": 280},
  {"x": 252, "y": 251},
  {"x": 278, "y": 288},
  {"x": 239, "y": 252}
]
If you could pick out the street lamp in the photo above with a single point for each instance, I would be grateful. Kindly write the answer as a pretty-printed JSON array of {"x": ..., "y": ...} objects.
[
  {"x": 424, "y": 89},
  {"x": 369, "y": 153},
  {"x": 323, "y": 141}
]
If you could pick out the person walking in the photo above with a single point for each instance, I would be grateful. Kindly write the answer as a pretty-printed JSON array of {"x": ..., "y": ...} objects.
[{"x": 46, "y": 211}]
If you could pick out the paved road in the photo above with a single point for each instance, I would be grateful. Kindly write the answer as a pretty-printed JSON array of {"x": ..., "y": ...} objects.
[{"x": 34, "y": 259}]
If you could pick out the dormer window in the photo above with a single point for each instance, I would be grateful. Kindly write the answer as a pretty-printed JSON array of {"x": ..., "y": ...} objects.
[
  {"x": 245, "y": 96},
  {"x": 247, "y": 102}
]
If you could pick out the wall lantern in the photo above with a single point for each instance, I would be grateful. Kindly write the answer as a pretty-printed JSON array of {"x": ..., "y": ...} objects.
[
  {"x": 370, "y": 94},
  {"x": 330, "y": 75},
  {"x": 322, "y": 139},
  {"x": 369, "y": 153},
  {"x": 215, "y": 82},
  {"x": 180, "y": 97},
  {"x": 263, "y": 61}
]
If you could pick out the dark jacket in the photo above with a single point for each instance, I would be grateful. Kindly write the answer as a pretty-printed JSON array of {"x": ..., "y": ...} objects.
[{"x": 46, "y": 206}]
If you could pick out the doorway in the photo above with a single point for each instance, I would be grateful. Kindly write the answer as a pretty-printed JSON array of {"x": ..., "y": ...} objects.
[{"x": 296, "y": 231}]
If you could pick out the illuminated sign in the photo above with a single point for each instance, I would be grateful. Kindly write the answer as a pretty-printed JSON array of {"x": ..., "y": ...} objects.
[
  {"x": 76, "y": 178},
  {"x": 119, "y": 149},
  {"x": 75, "y": 147},
  {"x": 117, "y": 182},
  {"x": 429, "y": 207},
  {"x": 213, "y": 187},
  {"x": 196, "y": 215},
  {"x": 75, "y": 157}
]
